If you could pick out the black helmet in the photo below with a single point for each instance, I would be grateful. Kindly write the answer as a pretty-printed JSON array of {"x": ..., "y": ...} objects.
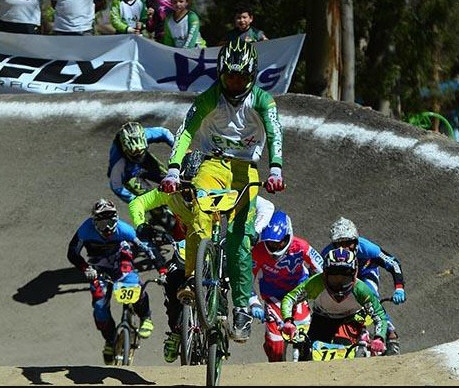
[
  {"x": 190, "y": 164},
  {"x": 340, "y": 272},
  {"x": 237, "y": 58}
]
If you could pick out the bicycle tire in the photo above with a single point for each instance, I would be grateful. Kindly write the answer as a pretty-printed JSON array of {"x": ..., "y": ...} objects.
[
  {"x": 207, "y": 284},
  {"x": 214, "y": 359},
  {"x": 122, "y": 346},
  {"x": 186, "y": 336}
]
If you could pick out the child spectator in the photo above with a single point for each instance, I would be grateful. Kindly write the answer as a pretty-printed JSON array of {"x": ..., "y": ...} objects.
[
  {"x": 154, "y": 24},
  {"x": 243, "y": 18},
  {"x": 75, "y": 17},
  {"x": 182, "y": 27},
  {"x": 128, "y": 16},
  {"x": 20, "y": 16}
]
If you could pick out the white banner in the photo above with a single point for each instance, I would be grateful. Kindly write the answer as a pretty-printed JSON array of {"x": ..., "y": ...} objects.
[{"x": 65, "y": 64}]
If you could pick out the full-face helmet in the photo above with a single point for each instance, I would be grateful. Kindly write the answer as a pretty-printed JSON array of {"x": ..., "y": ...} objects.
[
  {"x": 133, "y": 141},
  {"x": 237, "y": 65},
  {"x": 105, "y": 217},
  {"x": 340, "y": 272},
  {"x": 344, "y": 233},
  {"x": 278, "y": 234}
]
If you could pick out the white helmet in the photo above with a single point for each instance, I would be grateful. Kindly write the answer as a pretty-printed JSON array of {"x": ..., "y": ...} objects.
[
  {"x": 343, "y": 230},
  {"x": 105, "y": 217}
]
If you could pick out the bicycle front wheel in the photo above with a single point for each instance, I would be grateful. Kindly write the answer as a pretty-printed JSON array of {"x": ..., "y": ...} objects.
[
  {"x": 191, "y": 345},
  {"x": 214, "y": 358},
  {"x": 207, "y": 281},
  {"x": 122, "y": 346}
]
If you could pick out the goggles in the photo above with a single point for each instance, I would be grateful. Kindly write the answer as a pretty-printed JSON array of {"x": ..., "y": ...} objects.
[
  {"x": 276, "y": 246},
  {"x": 106, "y": 224}
]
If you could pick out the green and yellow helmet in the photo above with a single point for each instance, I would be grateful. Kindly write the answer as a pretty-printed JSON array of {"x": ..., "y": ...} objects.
[
  {"x": 133, "y": 141},
  {"x": 240, "y": 58}
]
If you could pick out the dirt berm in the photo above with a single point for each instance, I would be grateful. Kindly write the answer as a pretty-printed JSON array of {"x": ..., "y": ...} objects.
[{"x": 396, "y": 182}]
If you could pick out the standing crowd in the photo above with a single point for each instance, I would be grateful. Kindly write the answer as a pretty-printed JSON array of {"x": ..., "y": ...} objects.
[{"x": 170, "y": 22}]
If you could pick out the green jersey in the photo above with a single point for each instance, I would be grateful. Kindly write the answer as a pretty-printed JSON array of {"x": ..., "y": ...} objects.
[
  {"x": 237, "y": 132},
  {"x": 323, "y": 304}
]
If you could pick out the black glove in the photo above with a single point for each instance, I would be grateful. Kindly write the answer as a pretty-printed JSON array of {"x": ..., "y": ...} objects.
[{"x": 145, "y": 231}]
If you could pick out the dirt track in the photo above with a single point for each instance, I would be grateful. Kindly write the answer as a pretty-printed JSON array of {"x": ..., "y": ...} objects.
[{"x": 53, "y": 169}]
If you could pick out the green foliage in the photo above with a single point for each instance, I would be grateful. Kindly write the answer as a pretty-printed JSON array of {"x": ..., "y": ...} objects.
[{"x": 399, "y": 44}]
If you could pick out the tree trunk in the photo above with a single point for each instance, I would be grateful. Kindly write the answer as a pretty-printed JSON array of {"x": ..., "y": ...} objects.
[
  {"x": 323, "y": 48},
  {"x": 348, "y": 49}
]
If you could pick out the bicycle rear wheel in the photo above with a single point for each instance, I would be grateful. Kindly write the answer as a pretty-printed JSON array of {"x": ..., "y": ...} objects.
[
  {"x": 122, "y": 346},
  {"x": 207, "y": 284},
  {"x": 191, "y": 345}
]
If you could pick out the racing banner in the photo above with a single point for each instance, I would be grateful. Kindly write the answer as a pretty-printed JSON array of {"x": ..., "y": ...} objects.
[{"x": 66, "y": 64}]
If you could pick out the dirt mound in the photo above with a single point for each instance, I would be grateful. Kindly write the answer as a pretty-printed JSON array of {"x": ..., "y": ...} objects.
[{"x": 397, "y": 183}]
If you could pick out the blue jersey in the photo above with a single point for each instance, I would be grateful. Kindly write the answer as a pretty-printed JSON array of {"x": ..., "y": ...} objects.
[
  {"x": 370, "y": 257},
  {"x": 101, "y": 252},
  {"x": 120, "y": 169}
]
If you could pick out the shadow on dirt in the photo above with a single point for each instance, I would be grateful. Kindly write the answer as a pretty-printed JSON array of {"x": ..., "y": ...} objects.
[
  {"x": 84, "y": 375},
  {"x": 48, "y": 284}
]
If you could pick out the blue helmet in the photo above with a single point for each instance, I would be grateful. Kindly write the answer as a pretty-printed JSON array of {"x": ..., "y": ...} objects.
[{"x": 278, "y": 234}]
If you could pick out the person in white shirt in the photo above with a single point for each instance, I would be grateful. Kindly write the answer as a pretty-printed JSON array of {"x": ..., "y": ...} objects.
[
  {"x": 75, "y": 17},
  {"x": 20, "y": 16}
]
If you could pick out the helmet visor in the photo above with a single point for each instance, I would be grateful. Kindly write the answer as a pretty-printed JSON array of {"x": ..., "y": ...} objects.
[
  {"x": 277, "y": 246},
  {"x": 346, "y": 244},
  {"x": 236, "y": 84}
]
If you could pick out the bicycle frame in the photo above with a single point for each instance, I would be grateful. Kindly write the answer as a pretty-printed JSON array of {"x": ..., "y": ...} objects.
[
  {"x": 127, "y": 338},
  {"x": 210, "y": 283}
]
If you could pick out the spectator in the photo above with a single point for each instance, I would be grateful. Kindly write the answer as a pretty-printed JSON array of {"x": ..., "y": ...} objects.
[
  {"x": 243, "y": 18},
  {"x": 75, "y": 17},
  {"x": 182, "y": 27},
  {"x": 128, "y": 16},
  {"x": 20, "y": 16},
  {"x": 156, "y": 14}
]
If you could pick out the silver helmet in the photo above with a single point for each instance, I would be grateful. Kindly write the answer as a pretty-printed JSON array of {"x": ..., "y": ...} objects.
[{"x": 343, "y": 230}]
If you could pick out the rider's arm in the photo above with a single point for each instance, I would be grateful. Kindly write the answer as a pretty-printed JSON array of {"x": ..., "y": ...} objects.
[
  {"x": 308, "y": 289},
  {"x": 383, "y": 259},
  {"x": 145, "y": 202},
  {"x": 159, "y": 134},
  {"x": 365, "y": 296},
  {"x": 267, "y": 108},
  {"x": 312, "y": 259},
  {"x": 116, "y": 181},
  {"x": 264, "y": 211},
  {"x": 74, "y": 253}
]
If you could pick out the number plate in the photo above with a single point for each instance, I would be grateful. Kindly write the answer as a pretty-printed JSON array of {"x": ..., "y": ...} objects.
[
  {"x": 218, "y": 202},
  {"x": 123, "y": 294},
  {"x": 322, "y": 351}
]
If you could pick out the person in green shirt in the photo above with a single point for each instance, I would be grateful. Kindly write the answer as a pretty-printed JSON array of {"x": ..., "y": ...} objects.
[
  {"x": 182, "y": 27},
  {"x": 231, "y": 122},
  {"x": 337, "y": 295}
]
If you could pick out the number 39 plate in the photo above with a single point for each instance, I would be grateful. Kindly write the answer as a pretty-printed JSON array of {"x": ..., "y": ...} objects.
[{"x": 127, "y": 294}]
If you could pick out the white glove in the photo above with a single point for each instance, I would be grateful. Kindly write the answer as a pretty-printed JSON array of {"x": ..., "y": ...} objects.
[{"x": 90, "y": 273}]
